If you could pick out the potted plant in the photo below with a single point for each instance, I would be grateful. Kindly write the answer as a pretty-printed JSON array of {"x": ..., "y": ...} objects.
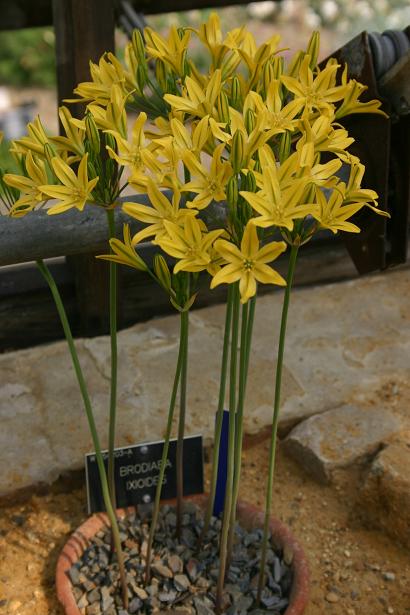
[{"x": 241, "y": 162}]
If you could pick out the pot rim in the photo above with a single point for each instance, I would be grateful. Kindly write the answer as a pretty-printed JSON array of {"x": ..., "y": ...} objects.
[{"x": 250, "y": 515}]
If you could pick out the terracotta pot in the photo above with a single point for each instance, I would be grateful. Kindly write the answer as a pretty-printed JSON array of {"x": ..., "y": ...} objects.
[{"x": 248, "y": 515}]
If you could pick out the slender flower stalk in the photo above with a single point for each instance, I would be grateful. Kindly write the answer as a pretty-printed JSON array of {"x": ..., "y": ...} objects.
[
  {"x": 181, "y": 425},
  {"x": 231, "y": 512},
  {"x": 223, "y": 551},
  {"x": 91, "y": 422},
  {"x": 248, "y": 314},
  {"x": 182, "y": 346},
  {"x": 219, "y": 416},
  {"x": 114, "y": 365},
  {"x": 276, "y": 408}
]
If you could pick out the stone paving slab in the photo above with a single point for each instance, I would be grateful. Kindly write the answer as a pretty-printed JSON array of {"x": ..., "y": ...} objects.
[
  {"x": 344, "y": 340},
  {"x": 385, "y": 494},
  {"x": 340, "y": 437}
]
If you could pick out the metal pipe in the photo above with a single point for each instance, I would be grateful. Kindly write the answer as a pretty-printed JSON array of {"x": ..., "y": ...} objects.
[{"x": 39, "y": 235}]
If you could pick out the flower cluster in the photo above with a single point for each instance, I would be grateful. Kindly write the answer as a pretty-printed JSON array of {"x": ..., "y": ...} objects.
[{"x": 262, "y": 137}]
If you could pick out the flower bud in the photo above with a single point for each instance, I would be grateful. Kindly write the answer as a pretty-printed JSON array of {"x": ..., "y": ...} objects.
[
  {"x": 267, "y": 76},
  {"x": 295, "y": 63},
  {"x": 237, "y": 151},
  {"x": 278, "y": 65},
  {"x": 236, "y": 93},
  {"x": 284, "y": 146},
  {"x": 250, "y": 182},
  {"x": 232, "y": 192},
  {"x": 222, "y": 105},
  {"x": 250, "y": 121},
  {"x": 162, "y": 272},
  {"x": 92, "y": 133},
  {"x": 186, "y": 69},
  {"x": 49, "y": 153},
  {"x": 313, "y": 49},
  {"x": 262, "y": 54},
  {"x": 139, "y": 47},
  {"x": 161, "y": 75},
  {"x": 110, "y": 141}
]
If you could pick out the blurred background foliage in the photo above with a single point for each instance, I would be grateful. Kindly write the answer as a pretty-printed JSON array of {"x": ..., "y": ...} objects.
[{"x": 27, "y": 56}]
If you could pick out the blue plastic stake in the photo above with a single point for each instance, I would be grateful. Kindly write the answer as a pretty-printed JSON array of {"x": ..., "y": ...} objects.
[{"x": 222, "y": 466}]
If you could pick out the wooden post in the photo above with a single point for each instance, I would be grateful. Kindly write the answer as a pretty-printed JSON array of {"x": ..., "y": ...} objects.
[{"x": 84, "y": 31}]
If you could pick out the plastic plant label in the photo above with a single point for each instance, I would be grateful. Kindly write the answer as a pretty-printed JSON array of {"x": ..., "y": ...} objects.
[{"x": 137, "y": 470}]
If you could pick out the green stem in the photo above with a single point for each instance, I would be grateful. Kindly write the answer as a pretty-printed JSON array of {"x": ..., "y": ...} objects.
[
  {"x": 246, "y": 338},
  {"x": 114, "y": 365},
  {"x": 91, "y": 422},
  {"x": 272, "y": 450},
  {"x": 181, "y": 425},
  {"x": 231, "y": 452},
  {"x": 219, "y": 416},
  {"x": 155, "y": 512}
]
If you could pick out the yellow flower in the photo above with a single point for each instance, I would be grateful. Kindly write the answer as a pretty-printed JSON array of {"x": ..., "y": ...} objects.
[
  {"x": 172, "y": 51},
  {"x": 252, "y": 141},
  {"x": 278, "y": 204},
  {"x": 167, "y": 164},
  {"x": 354, "y": 191},
  {"x": 210, "y": 34},
  {"x": 34, "y": 142},
  {"x": 334, "y": 212},
  {"x": 315, "y": 92},
  {"x": 189, "y": 244},
  {"x": 321, "y": 174},
  {"x": 255, "y": 57},
  {"x": 75, "y": 132},
  {"x": 135, "y": 153},
  {"x": 193, "y": 141},
  {"x": 323, "y": 136},
  {"x": 28, "y": 185},
  {"x": 209, "y": 184},
  {"x": 108, "y": 72},
  {"x": 248, "y": 264},
  {"x": 196, "y": 100},
  {"x": 155, "y": 216},
  {"x": 280, "y": 117},
  {"x": 75, "y": 190},
  {"x": 350, "y": 104},
  {"x": 124, "y": 252},
  {"x": 113, "y": 116}
]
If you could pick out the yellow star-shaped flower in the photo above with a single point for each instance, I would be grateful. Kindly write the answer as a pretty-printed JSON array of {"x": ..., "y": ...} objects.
[
  {"x": 189, "y": 244},
  {"x": 278, "y": 204},
  {"x": 172, "y": 51},
  {"x": 161, "y": 210},
  {"x": 75, "y": 190},
  {"x": 333, "y": 213},
  {"x": 208, "y": 184},
  {"x": 28, "y": 185},
  {"x": 248, "y": 264}
]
